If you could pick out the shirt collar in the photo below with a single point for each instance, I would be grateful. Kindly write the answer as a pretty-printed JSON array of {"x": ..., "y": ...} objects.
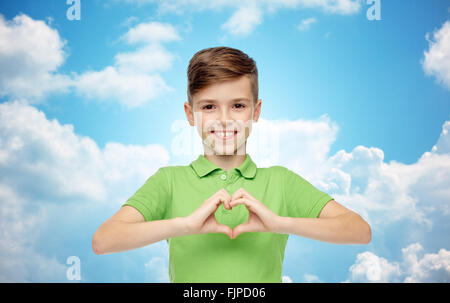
[{"x": 202, "y": 166}]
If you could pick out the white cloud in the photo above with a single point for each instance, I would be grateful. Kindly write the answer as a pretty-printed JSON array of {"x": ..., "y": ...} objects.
[
  {"x": 443, "y": 144},
  {"x": 305, "y": 24},
  {"x": 45, "y": 159},
  {"x": 30, "y": 53},
  {"x": 133, "y": 80},
  {"x": 127, "y": 88},
  {"x": 331, "y": 6},
  {"x": 413, "y": 268},
  {"x": 301, "y": 144},
  {"x": 151, "y": 32},
  {"x": 158, "y": 269},
  {"x": 18, "y": 230},
  {"x": 382, "y": 193},
  {"x": 436, "y": 61},
  {"x": 311, "y": 279},
  {"x": 244, "y": 20},
  {"x": 429, "y": 268},
  {"x": 148, "y": 59},
  {"x": 48, "y": 171},
  {"x": 361, "y": 179},
  {"x": 286, "y": 279},
  {"x": 248, "y": 13},
  {"x": 371, "y": 268}
]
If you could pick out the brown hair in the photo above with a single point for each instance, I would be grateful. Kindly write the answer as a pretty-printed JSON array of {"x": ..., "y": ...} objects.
[{"x": 216, "y": 64}]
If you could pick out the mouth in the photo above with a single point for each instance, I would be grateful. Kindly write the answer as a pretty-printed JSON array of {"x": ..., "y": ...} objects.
[{"x": 224, "y": 134}]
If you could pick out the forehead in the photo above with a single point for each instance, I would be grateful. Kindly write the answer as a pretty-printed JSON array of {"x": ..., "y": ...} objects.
[{"x": 226, "y": 91}]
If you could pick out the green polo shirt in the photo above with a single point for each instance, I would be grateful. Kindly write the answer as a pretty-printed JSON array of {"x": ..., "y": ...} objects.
[{"x": 177, "y": 191}]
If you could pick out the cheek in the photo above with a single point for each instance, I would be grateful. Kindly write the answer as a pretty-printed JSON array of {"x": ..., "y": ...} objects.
[
  {"x": 245, "y": 126},
  {"x": 201, "y": 122},
  {"x": 203, "y": 130},
  {"x": 245, "y": 117}
]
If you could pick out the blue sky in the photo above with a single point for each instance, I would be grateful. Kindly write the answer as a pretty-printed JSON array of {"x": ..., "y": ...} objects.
[{"x": 366, "y": 101}]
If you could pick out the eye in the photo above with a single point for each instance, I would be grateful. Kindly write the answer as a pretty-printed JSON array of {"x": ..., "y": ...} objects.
[
  {"x": 240, "y": 105},
  {"x": 207, "y": 107}
]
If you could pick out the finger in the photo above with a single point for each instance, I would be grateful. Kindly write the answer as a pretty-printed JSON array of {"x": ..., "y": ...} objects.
[
  {"x": 247, "y": 202},
  {"x": 226, "y": 199},
  {"x": 241, "y": 193},
  {"x": 221, "y": 193},
  {"x": 242, "y": 228},
  {"x": 225, "y": 193},
  {"x": 253, "y": 206},
  {"x": 211, "y": 205},
  {"x": 225, "y": 230},
  {"x": 216, "y": 227},
  {"x": 237, "y": 194},
  {"x": 221, "y": 198}
]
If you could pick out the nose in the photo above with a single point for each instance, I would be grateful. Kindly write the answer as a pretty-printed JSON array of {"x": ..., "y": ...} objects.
[{"x": 225, "y": 117}]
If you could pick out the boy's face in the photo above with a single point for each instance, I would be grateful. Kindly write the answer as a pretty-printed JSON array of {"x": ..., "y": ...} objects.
[{"x": 223, "y": 113}]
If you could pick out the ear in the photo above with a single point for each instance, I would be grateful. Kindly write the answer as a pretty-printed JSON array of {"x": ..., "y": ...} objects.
[
  {"x": 257, "y": 110},
  {"x": 189, "y": 113}
]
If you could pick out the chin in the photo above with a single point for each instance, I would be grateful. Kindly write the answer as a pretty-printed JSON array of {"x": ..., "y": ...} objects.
[
  {"x": 227, "y": 150},
  {"x": 224, "y": 153}
]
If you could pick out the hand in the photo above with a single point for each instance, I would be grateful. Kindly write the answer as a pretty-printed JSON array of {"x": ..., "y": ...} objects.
[
  {"x": 203, "y": 221},
  {"x": 260, "y": 218}
]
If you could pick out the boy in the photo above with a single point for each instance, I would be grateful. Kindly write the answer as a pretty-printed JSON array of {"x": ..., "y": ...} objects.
[{"x": 225, "y": 219}]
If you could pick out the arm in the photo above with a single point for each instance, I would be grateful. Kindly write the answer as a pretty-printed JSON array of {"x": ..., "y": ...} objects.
[
  {"x": 335, "y": 224},
  {"x": 127, "y": 230}
]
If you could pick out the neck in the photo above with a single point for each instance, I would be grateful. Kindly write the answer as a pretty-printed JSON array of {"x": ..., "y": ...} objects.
[{"x": 227, "y": 162}]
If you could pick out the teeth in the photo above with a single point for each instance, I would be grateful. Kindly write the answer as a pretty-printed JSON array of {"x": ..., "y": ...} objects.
[{"x": 224, "y": 133}]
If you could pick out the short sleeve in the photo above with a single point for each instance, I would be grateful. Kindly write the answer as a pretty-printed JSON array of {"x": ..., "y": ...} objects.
[
  {"x": 302, "y": 199},
  {"x": 152, "y": 198}
]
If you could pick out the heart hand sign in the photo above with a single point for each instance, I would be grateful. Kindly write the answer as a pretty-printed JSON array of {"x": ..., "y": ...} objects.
[{"x": 260, "y": 218}]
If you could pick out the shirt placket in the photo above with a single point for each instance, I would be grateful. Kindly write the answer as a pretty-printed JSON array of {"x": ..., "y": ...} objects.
[{"x": 227, "y": 180}]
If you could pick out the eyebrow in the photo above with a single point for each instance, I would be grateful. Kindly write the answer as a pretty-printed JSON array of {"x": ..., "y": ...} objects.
[{"x": 232, "y": 100}]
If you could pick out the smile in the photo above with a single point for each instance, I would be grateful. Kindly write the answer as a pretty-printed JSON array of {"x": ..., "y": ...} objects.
[{"x": 224, "y": 135}]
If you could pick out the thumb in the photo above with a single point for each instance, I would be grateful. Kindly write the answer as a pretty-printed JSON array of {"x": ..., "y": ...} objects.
[
  {"x": 241, "y": 228},
  {"x": 225, "y": 230}
]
